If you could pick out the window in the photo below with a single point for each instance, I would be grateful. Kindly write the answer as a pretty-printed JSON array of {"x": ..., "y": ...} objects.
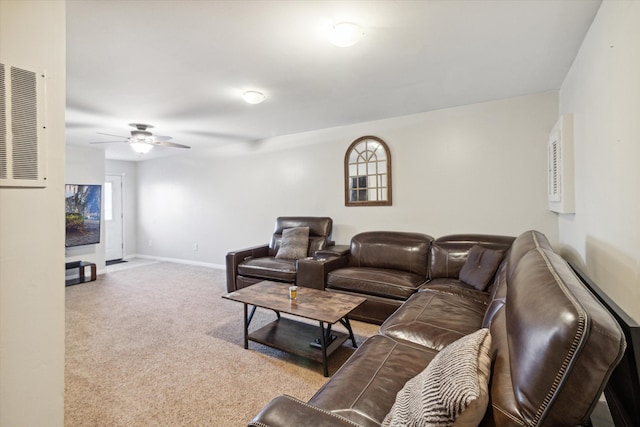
[
  {"x": 108, "y": 202},
  {"x": 367, "y": 170}
]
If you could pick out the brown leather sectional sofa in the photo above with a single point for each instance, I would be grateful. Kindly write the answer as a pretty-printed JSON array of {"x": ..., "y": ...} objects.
[
  {"x": 389, "y": 267},
  {"x": 553, "y": 345}
]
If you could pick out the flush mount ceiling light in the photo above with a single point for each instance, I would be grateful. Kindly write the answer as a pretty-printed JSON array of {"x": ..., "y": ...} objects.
[
  {"x": 345, "y": 34},
  {"x": 253, "y": 97}
]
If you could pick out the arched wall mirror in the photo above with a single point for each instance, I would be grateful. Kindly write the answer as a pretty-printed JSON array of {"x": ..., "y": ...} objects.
[{"x": 367, "y": 173}]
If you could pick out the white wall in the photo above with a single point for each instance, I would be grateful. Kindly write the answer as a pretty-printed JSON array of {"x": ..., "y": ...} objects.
[
  {"x": 86, "y": 166},
  {"x": 602, "y": 89},
  {"x": 129, "y": 173},
  {"x": 477, "y": 168},
  {"x": 32, "y": 34}
]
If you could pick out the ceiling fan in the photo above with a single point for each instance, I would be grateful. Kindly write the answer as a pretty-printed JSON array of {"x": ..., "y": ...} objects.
[{"x": 141, "y": 140}]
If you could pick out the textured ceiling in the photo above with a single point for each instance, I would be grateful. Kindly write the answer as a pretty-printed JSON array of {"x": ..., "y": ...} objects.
[{"x": 182, "y": 66}]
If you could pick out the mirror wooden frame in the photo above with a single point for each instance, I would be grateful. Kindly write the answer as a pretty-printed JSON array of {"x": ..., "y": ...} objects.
[{"x": 358, "y": 185}]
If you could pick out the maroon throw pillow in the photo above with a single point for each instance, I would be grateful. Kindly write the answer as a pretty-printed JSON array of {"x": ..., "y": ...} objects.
[{"x": 480, "y": 267}]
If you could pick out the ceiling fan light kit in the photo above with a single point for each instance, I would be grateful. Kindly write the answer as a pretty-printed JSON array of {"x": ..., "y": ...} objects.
[
  {"x": 253, "y": 97},
  {"x": 141, "y": 140},
  {"x": 141, "y": 147},
  {"x": 345, "y": 34}
]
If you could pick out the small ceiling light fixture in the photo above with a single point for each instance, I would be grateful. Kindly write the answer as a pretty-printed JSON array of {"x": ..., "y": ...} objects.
[
  {"x": 141, "y": 147},
  {"x": 253, "y": 97},
  {"x": 345, "y": 34}
]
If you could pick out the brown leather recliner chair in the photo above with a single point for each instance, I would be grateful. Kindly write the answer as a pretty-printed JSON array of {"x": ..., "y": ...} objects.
[{"x": 252, "y": 265}]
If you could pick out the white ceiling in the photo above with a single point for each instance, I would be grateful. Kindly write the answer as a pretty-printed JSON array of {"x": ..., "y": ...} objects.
[{"x": 183, "y": 65}]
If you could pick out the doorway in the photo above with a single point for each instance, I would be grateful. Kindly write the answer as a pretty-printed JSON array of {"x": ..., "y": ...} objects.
[{"x": 113, "y": 218}]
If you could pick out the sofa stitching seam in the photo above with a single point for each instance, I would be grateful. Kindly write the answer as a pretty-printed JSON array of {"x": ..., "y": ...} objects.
[
  {"x": 507, "y": 414},
  {"x": 578, "y": 338},
  {"x": 395, "y": 345},
  {"x": 320, "y": 409}
]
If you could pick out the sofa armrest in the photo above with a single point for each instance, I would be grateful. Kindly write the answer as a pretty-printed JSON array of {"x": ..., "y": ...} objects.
[
  {"x": 288, "y": 411},
  {"x": 334, "y": 251},
  {"x": 312, "y": 272},
  {"x": 236, "y": 257}
]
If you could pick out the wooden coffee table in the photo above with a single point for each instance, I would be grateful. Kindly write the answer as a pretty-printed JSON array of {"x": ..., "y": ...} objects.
[{"x": 295, "y": 337}]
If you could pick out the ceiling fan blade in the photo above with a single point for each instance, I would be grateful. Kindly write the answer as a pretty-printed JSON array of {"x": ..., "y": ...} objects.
[
  {"x": 110, "y": 134},
  {"x": 141, "y": 135},
  {"x": 170, "y": 144}
]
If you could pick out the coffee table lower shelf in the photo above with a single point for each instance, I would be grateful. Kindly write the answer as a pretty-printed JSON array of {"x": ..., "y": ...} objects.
[
  {"x": 301, "y": 338},
  {"x": 296, "y": 337}
]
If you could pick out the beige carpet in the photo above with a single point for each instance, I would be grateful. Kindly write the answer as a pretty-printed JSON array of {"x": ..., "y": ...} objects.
[{"x": 156, "y": 345}]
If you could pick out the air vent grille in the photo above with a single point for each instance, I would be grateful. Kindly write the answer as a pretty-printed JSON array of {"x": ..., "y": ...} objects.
[
  {"x": 554, "y": 168},
  {"x": 24, "y": 124},
  {"x": 3, "y": 126},
  {"x": 21, "y": 127},
  {"x": 560, "y": 168}
]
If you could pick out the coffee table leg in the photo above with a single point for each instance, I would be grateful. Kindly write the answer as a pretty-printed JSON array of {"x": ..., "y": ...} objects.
[
  {"x": 345, "y": 322},
  {"x": 323, "y": 344},
  {"x": 327, "y": 334},
  {"x": 247, "y": 320},
  {"x": 246, "y": 327}
]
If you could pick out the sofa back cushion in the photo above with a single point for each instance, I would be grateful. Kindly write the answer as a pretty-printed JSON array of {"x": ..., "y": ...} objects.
[
  {"x": 525, "y": 242},
  {"x": 449, "y": 253},
  {"x": 320, "y": 229},
  {"x": 391, "y": 249},
  {"x": 555, "y": 346}
]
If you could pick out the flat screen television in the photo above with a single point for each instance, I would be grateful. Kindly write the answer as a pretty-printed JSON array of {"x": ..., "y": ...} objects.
[{"x": 82, "y": 212}]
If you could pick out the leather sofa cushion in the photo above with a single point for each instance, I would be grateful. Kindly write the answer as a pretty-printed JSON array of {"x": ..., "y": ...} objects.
[
  {"x": 286, "y": 410},
  {"x": 456, "y": 287},
  {"x": 269, "y": 268},
  {"x": 396, "y": 284},
  {"x": 244, "y": 281},
  {"x": 525, "y": 242},
  {"x": 554, "y": 343},
  {"x": 392, "y": 250},
  {"x": 365, "y": 387},
  {"x": 434, "y": 320},
  {"x": 449, "y": 253},
  {"x": 452, "y": 389},
  {"x": 374, "y": 310}
]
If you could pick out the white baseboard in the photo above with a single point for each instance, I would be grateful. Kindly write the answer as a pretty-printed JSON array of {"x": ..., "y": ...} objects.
[{"x": 179, "y": 261}]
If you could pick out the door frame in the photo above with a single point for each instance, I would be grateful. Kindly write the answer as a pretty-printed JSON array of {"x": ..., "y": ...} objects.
[{"x": 121, "y": 177}]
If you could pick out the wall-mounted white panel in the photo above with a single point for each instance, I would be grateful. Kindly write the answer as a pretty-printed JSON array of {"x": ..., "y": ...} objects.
[
  {"x": 22, "y": 129},
  {"x": 560, "y": 166}
]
